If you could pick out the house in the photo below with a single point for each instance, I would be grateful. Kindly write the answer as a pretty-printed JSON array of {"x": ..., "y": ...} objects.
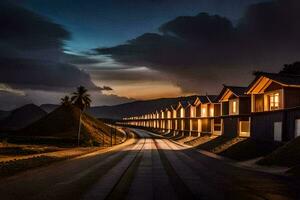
[
  {"x": 199, "y": 111},
  {"x": 168, "y": 116},
  {"x": 214, "y": 112},
  {"x": 181, "y": 116},
  {"x": 235, "y": 111},
  {"x": 275, "y": 102}
]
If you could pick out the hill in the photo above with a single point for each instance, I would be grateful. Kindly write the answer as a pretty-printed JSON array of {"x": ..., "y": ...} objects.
[
  {"x": 63, "y": 123},
  {"x": 49, "y": 107},
  {"x": 287, "y": 155},
  {"x": 135, "y": 108},
  {"x": 21, "y": 117}
]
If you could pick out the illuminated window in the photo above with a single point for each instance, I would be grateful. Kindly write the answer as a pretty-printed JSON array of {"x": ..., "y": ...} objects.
[
  {"x": 193, "y": 112},
  {"x": 174, "y": 113},
  {"x": 234, "y": 107},
  {"x": 274, "y": 101},
  {"x": 211, "y": 112},
  {"x": 203, "y": 112},
  {"x": 182, "y": 112}
]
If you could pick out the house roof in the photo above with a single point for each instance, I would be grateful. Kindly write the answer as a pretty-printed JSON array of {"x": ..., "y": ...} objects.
[
  {"x": 202, "y": 99},
  {"x": 286, "y": 80},
  {"x": 184, "y": 104},
  {"x": 237, "y": 91},
  {"x": 212, "y": 98}
]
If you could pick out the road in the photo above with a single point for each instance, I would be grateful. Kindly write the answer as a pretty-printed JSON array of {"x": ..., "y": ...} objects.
[{"x": 148, "y": 168}]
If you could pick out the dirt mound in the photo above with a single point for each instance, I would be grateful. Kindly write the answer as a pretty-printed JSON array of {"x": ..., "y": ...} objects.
[
  {"x": 287, "y": 155},
  {"x": 63, "y": 122}
]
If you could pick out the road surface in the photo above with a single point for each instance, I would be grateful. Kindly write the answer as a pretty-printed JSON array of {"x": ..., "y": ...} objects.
[{"x": 148, "y": 168}]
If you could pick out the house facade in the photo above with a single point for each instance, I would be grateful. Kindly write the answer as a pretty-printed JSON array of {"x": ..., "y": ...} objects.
[
  {"x": 275, "y": 102},
  {"x": 235, "y": 111}
]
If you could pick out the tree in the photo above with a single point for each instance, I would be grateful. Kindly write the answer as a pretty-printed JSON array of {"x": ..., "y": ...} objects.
[
  {"x": 81, "y": 98},
  {"x": 65, "y": 100},
  {"x": 293, "y": 69}
]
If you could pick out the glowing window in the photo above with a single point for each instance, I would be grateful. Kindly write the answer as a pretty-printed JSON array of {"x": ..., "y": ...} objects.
[
  {"x": 234, "y": 107},
  {"x": 211, "y": 112},
  {"x": 274, "y": 101},
  {"x": 203, "y": 112},
  {"x": 182, "y": 112}
]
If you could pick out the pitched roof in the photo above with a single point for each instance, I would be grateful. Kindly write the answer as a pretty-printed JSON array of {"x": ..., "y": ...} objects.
[
  {"x": 237, "y": 91},
  {"x": 288, "y": 80},
  {"x": 202, "y": 99},
  {"x": 212, "y": 98}
]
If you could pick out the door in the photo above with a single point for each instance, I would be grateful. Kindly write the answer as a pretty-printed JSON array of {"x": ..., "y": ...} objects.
[
  {"x": 278, "y": 131},
  {"x": 297, "y": 127}
]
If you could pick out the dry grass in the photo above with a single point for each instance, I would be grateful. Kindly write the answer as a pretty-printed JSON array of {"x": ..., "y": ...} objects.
[
  {"x": 288, "y": 155},
  {"x": 200, "y": 140},
  {"x": 63, "y": 123}
]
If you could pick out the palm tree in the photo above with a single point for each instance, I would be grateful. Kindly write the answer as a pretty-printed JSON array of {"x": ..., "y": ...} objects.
[
  {"x": 65, "y": 100},
  {"x": 81, "y": 98}
]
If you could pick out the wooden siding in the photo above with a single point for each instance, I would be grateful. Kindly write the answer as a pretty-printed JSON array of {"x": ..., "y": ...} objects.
[
  {"x": 291, "y": 97},
  {"x": 230, "y": 126}
]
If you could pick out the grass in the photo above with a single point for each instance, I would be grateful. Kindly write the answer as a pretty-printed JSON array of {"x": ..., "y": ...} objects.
[
  {"x": 219, "y": 144},
  {"x": 12, "y": 167},
  {"x": 288, "y": 155},
  {"x": 63, "y": 123},
  {"x": 249, "y": 149},
  {"x": 200, "y": 140}
]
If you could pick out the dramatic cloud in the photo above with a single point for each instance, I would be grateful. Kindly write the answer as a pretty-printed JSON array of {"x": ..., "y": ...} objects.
[
  {"x": 204, "y": 51},
  {"x": 31, "y": 52}
]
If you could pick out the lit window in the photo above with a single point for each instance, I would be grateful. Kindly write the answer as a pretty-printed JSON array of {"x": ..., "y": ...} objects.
[
  {"x": 203, "y": 112},
  {"x": 274, "y": 101},
  {"x": 211, "y": 112},
  {"x": 234, "y": 107},
  {"x": 174, "y": 114},
  {"x": 192, "y": 112},
  {"x": 182, "y": 112}
]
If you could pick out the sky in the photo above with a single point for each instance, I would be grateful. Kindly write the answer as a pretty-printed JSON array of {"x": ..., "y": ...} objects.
[{"x": 123, "y": 50}]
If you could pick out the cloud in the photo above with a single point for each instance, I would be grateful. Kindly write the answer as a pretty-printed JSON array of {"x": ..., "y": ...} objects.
[
  {"x": 32, "y": 53},
  {"x": 201, "y": 52}
]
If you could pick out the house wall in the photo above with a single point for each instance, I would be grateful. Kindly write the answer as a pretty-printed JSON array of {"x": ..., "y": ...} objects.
[
  {"x": 291, "y": 116},
  {"x": 230, "y": 126},
  {"x": 291, "y": 97},
  {"x": 258, "y": 103},
  {"x": 244, "y": 105},
  {"x": 217, "y": 109},
  {"x": 225, "y": 108},
  {"x": 262, "y": 125},
  {"x": 206, "y": 125}
]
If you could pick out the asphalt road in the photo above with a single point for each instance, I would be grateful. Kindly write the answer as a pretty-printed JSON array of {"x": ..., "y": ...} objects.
[{"x": 148, "y": 168}]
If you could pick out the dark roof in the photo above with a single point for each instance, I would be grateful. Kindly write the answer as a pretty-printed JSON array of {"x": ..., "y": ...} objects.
[
  {"x": 237, "y": 90},
  {"x": 212, "y": 98},
  {"x": 203, "y": 99},
  {"x": 285, "y": 79}
]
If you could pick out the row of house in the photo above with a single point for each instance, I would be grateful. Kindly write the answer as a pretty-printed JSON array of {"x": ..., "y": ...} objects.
[{"x": 268, "y": 110}]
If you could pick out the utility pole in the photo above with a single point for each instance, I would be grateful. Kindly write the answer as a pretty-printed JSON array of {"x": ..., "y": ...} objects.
[{"x": 79, "y": 127}]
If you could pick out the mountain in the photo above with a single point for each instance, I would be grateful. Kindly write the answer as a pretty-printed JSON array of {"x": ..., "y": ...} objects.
[
  {"x": 21, "y": 117},
  {"x": 49, "y": 107},
  {"x": 63, "y": 123},
  {"x": 127, "y": 109},
  {"x": 135, "y": 108}
]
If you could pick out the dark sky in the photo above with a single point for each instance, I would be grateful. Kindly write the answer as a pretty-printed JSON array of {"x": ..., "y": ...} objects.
[
  {"x": 139, "y": 49},
  {"x": 95, "y": 23}
]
